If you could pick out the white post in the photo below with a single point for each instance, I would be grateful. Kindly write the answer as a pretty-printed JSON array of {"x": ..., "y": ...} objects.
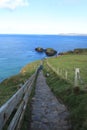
[
  {"x": 77, "y": 74},
  {"x": 66, "y": 75}
]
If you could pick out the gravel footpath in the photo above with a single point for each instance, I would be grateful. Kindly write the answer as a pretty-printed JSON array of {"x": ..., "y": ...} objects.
[{"x": 47, "y": 112}]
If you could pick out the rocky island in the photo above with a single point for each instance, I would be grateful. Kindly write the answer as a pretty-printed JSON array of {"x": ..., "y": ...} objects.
[
  {"x": 48, "y": 51},
  {"x": 39, "y": 49}
]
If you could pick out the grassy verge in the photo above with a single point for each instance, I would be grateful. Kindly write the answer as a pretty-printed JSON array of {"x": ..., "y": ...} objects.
[{"x": 76, "y": 101}]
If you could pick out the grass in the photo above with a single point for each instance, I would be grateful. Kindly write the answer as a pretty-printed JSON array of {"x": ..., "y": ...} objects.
[
  {"x": 69, "y": 63},
  {"x": 76, "y": 101},
  {"x": 9, "y": 86}
]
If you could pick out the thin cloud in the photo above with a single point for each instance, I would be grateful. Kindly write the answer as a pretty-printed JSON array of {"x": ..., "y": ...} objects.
[{"x": 13, "y": 4}]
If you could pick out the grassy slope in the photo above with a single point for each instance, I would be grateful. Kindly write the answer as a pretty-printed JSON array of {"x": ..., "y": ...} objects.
[
  {"x": 69, "y": 63},
  {"x": 76, "y": 101},
  {"x": 9, "y": 86}
]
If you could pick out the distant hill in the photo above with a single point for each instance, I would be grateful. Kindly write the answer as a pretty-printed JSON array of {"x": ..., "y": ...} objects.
[{"x": 72, "y": 34}]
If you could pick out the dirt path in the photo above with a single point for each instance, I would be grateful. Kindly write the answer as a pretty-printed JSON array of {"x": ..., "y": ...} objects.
[{"x": 47, "y": 112}]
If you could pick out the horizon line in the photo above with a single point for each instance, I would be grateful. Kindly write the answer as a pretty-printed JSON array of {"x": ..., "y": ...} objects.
[{"x": 68, "y": 34}]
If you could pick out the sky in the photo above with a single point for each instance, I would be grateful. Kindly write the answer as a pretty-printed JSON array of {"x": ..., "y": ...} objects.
[{"x": 43, "y": 16}]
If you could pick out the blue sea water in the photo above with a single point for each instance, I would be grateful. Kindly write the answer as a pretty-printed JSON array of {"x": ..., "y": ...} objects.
[{"x": 18, "y": 50}]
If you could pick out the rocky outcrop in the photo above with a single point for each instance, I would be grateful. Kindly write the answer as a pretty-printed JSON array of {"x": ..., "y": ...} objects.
[
  {"x": 39, "y": 49},
  {"x": 50, "y": 52}
]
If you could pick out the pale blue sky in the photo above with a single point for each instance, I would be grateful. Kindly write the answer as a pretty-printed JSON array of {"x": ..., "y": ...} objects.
[{"x": 43, "y": 16}]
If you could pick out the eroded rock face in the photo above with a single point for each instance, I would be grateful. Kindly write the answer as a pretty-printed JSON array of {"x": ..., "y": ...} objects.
[
  {"x": 50, "y": 52},
  {"x": 39, "y": 49}
]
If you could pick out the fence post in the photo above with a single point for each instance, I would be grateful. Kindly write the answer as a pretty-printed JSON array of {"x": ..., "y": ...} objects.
[
  {"x": 61, "y": 72},
  {"x": 66, "y": 75},
  {"x": 77, "y": 75}
]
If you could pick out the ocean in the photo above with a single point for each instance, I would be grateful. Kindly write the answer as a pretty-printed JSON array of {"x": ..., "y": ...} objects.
[{"x": 18, "y": 50}]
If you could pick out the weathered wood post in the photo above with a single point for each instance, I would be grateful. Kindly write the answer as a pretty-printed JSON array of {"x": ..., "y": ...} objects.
[
  {"x": 61, "y": 72},
  {"x": 77, "y": 75},
  {"x": 66, "y": 75}
]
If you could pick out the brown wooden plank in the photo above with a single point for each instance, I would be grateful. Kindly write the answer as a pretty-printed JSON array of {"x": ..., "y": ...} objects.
[
  {"x": 7, "y": 109},
  {"x": 20, "y": 113},
  {"x": 10, "y": 105}
]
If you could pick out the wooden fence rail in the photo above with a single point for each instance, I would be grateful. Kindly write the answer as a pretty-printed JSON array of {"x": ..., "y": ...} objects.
[
  {"x": 18, "y": 101},
  {"x": 76, "y": 79}
]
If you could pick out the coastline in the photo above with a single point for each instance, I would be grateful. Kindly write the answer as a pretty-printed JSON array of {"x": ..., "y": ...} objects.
[
  {"x": 25, "y": 69},
  {"x": 18, "y": 50},
  {"x": 72, "y": 52}
]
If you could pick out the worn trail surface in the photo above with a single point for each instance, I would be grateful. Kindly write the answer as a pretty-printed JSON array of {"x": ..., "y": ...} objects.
[{"x": 47, "y": 112}]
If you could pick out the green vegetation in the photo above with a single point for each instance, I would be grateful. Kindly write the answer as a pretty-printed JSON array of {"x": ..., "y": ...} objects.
[
  {"x": 80, "y": 51},
  {"x": 75, "y": 51},
  {"x": 9, "y": 86},
  {"x": 69, "y": 63},
  {"x": 75, "y": 100}
]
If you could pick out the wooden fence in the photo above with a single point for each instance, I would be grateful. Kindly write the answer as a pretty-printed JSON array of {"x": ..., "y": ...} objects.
[
  {"x": 18, "y": 101},
  {"x": 64, "y": 74}
]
